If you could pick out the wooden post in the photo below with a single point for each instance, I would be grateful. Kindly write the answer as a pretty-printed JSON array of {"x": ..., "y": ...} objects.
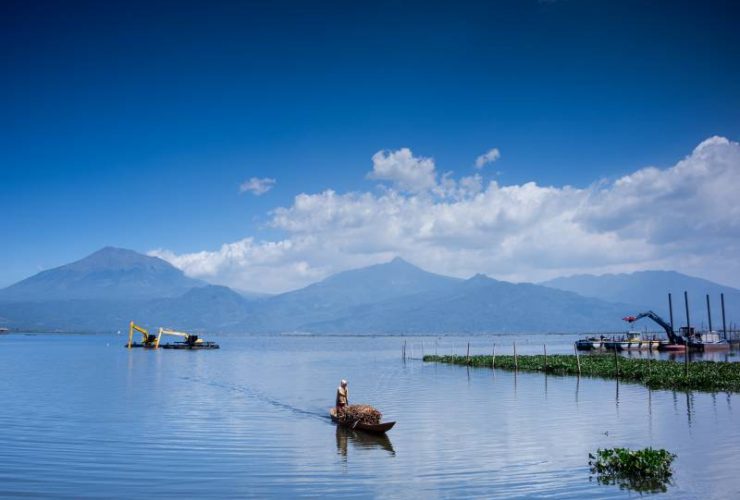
[
  {"x": 467, "y": 356},
  {"x": 544, "y": 346},
  {"x": 516, "y": 361},
  {"x": 404, "y": 350},
  {"x": 493, "y": 358},
  {"x": 686, "y": 360},
  {"x": 578, "y": 359}
]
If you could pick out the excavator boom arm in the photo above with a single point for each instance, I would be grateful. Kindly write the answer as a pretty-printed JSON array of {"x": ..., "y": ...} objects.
[
  {"x": 674, "y": 339},
  {"x": 133, "y": 327},
  {"x": 167, "y": 331}
]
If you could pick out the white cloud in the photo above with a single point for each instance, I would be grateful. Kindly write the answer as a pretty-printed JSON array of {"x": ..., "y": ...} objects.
[
  {"x": 406, "y": 172},
  {"x": 686, "y": 217},
  {"x": 257, "y": 186},
  {"x": 489, "y": 157}
]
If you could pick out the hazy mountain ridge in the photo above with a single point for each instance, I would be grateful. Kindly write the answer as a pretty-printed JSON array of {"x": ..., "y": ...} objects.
[
  {"x": 482, "y": 304},
  {"x": 107, "y": 289},
  {"x": 649, "y": 289}
]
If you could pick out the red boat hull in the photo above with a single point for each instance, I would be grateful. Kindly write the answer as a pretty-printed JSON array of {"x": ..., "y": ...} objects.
[{"x": 672, "y": 347}]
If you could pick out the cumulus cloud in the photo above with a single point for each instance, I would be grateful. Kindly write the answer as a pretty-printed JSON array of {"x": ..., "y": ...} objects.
[
  {"x": 684, "y": 217},
  {"x": 257, "y": 186},
  {"x": 406, "y": 172},
  {"x": 489, "y": 157}
]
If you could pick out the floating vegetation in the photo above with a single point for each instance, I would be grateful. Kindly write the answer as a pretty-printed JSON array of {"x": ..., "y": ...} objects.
[
  {"x": 364, "y": 414},
  {"x": 645, "y": 471},
  {"x": 710, "y": 376}
]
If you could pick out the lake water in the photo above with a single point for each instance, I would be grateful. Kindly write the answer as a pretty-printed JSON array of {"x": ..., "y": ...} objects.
[{"x": 81, "y": 416}]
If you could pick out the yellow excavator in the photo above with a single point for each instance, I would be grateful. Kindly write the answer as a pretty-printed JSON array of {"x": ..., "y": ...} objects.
[
  {"x": 189, "y": 341},
  {"x": 148, "y": 342}
]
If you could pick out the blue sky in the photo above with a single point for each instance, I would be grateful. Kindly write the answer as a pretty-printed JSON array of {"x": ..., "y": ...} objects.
[{"x": 134, "y": 123}]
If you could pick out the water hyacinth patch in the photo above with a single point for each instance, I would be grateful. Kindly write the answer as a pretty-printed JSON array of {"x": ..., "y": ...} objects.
[
  {"x": 710, "y": 376},
  {"x": 645, "y": 471}
]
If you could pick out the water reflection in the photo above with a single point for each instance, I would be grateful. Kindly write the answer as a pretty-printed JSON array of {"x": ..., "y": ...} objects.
[
  {"x": 616, "y": 397},
  {"x": 362, "y": 440},
  {"x": 650, "y": 412}
]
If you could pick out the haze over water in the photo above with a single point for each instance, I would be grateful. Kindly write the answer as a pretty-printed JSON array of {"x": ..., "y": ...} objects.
[{"x": 84, "y": 417}]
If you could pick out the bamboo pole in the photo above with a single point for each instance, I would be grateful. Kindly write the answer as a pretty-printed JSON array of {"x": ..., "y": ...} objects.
[
  {"x": 467, "y": 356},
  {"x": 578, "y": 358},
  {"x": 516, "y": 361},
  {"x": 544, "y": 346},
  {"x": 493, "y": 357}
]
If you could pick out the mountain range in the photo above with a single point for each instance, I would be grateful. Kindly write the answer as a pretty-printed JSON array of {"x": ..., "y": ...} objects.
[{"x": 107, "y": 289}]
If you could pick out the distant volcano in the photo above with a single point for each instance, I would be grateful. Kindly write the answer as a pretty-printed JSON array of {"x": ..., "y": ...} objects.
[{"x": 108, "y": 274}]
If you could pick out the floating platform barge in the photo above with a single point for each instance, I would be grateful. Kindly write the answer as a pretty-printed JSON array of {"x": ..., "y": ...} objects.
[{"x": 190, "y": 342}]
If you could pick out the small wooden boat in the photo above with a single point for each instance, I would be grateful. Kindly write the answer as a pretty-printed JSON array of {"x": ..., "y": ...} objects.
[{"x": 359, "y": 426}]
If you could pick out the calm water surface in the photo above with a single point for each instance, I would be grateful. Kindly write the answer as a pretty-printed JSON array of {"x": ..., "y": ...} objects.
[{"x": 83, "y": 417}]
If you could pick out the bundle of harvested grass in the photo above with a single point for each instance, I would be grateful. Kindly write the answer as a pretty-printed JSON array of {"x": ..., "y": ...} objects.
[{"x": 365, "y": 414}]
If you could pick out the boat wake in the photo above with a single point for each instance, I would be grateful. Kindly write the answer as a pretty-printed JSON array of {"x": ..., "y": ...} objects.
[{"x": 258, "y": 395}]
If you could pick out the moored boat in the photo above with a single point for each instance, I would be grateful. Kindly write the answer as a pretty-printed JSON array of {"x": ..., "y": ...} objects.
[
  {"x": 590, "y": 343},
  {"x": 630, "y": 342},
  {"x": 707, "y": 342}
]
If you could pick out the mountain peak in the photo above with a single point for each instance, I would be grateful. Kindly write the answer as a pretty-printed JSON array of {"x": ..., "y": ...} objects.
[
  {"x": 400, "y": 262},
  {"x": 119, "y": 258},
  {"x": 109, "y": 273}
]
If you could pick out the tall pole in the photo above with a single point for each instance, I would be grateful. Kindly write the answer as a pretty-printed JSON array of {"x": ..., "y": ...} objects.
[
  {"x": 688, "y": 319},
  {"x": 688, "y": 331},
  {"x": 670, "y": 310},
  {"x": 709, "y": 314},
  {"x": 724, "y": 325}
]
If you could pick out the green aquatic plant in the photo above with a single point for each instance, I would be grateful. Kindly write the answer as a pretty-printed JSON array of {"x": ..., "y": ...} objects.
[
  {"x": 646, "y": 471},
  {"x": 710, "y": 376}
]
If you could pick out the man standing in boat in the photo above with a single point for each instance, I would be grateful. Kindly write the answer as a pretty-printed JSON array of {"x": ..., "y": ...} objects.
[{"x": 342, "y": 395}]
